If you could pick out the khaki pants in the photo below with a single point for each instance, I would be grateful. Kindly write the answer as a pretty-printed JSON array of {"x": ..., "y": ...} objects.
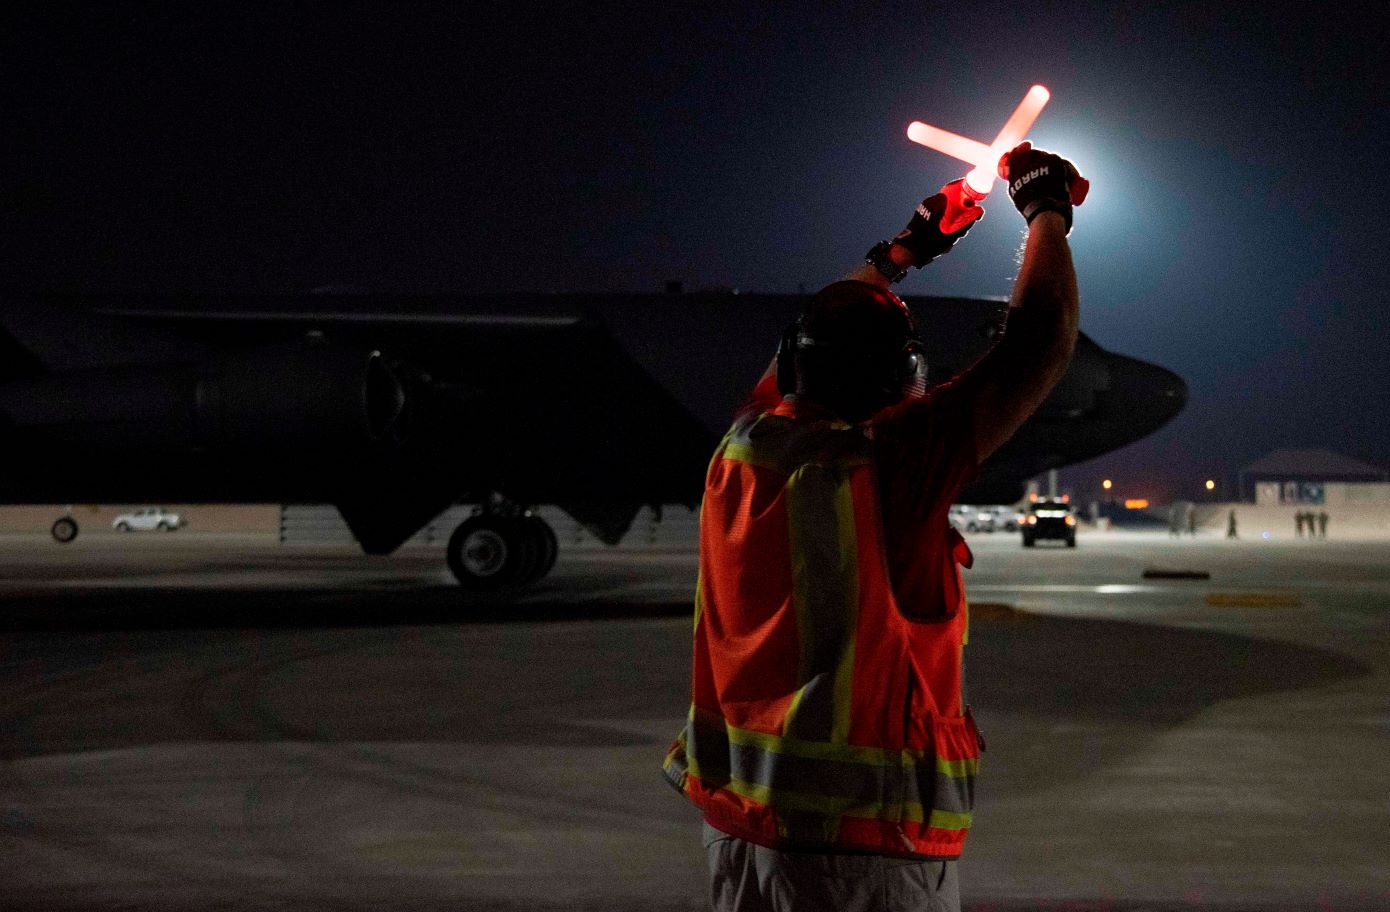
[{"x": 749, "y": 878}]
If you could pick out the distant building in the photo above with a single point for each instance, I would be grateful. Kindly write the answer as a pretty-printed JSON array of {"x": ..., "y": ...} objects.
[{"x": 1303, "y": 476}]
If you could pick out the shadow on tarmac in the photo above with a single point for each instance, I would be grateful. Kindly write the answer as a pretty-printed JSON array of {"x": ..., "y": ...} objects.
[
  {"x": 202, "y": 608},
  {"x": 1108, "y": 669},
  {"x": 1048, "y": 667}
]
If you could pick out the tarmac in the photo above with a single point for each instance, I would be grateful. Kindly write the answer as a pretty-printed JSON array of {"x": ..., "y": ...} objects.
[{"x": 220, "y": 723}]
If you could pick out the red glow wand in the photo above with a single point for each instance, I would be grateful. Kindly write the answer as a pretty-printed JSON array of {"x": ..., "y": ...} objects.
[{"x": 985, "y": 158}]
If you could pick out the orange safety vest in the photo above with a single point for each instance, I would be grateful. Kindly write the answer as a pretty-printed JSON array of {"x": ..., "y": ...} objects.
[{"x": 822, "y": 718}]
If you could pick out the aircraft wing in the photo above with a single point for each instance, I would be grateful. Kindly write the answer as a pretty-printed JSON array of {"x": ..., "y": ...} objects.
[{"x": 394, "y": 407}]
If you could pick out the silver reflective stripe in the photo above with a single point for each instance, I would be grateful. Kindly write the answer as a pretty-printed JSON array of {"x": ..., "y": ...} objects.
[{"x": 825, "y": 592}]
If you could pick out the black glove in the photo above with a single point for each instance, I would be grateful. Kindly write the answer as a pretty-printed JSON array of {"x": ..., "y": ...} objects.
[
  {"x": 938, "y": 223},
  {"x": 1042, "y": 181}
]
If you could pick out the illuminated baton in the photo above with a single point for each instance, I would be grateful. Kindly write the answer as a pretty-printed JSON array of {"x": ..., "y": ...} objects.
[{"x": 985, "y": 158}]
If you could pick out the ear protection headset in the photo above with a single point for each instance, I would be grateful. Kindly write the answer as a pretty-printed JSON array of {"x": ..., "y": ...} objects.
[
  {"x": 904, "y": 372},
  {"x": 786, "y": 358}
]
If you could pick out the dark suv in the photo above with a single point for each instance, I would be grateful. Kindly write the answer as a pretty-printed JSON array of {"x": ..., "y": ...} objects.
[{"x": 1049, "y": 519}]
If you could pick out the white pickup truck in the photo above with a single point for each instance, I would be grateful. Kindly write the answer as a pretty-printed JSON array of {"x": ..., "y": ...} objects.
[{"x": 149, "y": 519}]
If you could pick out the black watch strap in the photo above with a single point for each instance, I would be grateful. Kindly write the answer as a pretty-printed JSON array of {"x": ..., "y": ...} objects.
[
  {"x": 880, "y": 258},
  {"x": 1040, "y": 206}
]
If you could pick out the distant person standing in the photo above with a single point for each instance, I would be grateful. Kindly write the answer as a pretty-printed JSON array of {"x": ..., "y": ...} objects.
[
  {"x": 1322, "y": 524},
  {"x": 1231, "y": 526},
  {"x": 1298, "y": 523}
]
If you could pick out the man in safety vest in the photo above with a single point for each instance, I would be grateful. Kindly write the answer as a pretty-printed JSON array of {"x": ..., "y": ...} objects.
[{"x": 827, "y": 744}]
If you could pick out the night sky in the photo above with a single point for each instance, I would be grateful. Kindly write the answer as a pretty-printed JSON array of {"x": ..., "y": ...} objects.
[{"x": 1238, "y": 155}]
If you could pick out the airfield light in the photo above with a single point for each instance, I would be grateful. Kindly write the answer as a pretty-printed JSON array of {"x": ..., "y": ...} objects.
[
  {"x": 985, "y": 158},
  {"x": 1107, "y": 484},
  {"x": 1211, "y": 485}
]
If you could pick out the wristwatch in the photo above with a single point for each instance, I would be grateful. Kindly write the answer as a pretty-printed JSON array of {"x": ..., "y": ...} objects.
[{"x": 879, "y": 258}]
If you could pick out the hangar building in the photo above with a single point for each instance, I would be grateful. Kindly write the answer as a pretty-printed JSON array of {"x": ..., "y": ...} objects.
[{"x": 1312, "y": 477}]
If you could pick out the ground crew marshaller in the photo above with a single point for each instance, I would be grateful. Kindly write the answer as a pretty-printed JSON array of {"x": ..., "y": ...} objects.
[{"x": 828, "y": 744}]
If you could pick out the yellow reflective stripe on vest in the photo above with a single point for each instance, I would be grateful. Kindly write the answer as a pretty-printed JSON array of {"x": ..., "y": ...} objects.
[
  {"x": 699, "y": 599},
  {"x": 957, "y": 769},
  {"x": 832, "y": 780},
  {"x": 825, "y": 593},
  {"x": 946, "y": 820},
  {"x": 779, "y": 445}
]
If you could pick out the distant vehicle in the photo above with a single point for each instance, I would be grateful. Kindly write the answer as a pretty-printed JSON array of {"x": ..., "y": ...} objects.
[
  {"x": 1049, "y": 519},
  {"x": 149, "y": 519},
  {"x": 966, "y": 518},
  {"x": 1007, "y": 518}
]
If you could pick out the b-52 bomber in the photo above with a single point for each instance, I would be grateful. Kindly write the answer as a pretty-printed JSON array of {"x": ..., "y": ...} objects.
[{"x": 394, "y": 408}]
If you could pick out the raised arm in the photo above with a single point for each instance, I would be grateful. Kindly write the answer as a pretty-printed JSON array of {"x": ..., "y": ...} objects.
[
  {"x": 1009, "y": 383},
  {"x": 942, "y": 219}
]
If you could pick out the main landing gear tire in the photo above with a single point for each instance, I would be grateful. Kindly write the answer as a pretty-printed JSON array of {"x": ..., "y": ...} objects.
[
  {"x": 64, "y": 530},
  {"x": 546, "y": 545},
  {"x": 490, "y": 552}
]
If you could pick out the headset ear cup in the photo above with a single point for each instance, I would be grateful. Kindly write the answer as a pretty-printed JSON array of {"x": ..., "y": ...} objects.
[
  {"x": 786, "y": 359},
  {"x": 915, "y": 379}
]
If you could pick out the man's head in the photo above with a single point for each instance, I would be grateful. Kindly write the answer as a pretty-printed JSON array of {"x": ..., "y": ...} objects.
[{"x": 854, "y": 350}]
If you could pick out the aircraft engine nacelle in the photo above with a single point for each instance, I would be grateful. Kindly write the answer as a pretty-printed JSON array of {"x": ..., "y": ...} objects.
[{"x": 283, "y": 399}]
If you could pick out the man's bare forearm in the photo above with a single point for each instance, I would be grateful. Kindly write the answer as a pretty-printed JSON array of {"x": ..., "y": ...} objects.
[
  {"x": 866, "y": 273},
  {"x": 1019, "y": 372}
]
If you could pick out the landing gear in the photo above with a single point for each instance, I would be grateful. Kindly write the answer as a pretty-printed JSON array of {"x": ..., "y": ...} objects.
[
  {"x": 492, "y": 551},
  {"x": 64, "y": 530}
]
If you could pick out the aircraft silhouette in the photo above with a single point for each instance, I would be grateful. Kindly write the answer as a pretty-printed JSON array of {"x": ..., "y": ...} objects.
[{"x": 394, "y": 408}]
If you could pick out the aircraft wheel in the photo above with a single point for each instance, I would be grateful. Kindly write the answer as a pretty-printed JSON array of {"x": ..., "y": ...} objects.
[
  {"x": 64, "y": 530},
  {"x": 546, "y": 544},
  {"x": 489, "y": 552}
]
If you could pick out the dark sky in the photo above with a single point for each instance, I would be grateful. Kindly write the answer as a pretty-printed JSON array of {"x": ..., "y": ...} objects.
[{"x": 1238, "y": 154}]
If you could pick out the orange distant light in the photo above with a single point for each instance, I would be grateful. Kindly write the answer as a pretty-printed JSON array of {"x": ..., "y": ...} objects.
[{"x": 1136, "y": 503}]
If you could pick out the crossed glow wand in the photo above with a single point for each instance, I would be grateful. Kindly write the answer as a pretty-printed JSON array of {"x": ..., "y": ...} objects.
[{"x": 985, "y": 158}]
